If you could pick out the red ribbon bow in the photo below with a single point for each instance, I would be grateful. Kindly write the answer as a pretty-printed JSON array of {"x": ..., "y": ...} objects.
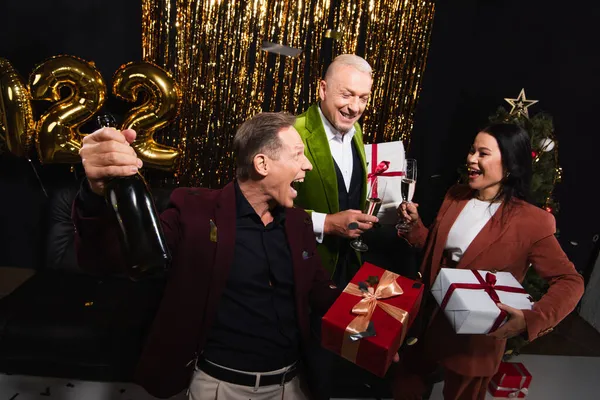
[
  {"x": 387, "y": 288},
  {"x": 379, "y": 170},
  {"x": 489, "y": 286}
]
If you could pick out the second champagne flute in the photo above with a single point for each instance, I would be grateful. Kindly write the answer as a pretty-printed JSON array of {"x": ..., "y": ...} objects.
[
  {"x": 372, "y": 206},
  {"x": 407, "y": 187}
]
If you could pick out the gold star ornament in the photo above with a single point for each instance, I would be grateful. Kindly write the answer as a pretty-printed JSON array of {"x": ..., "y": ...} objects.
[{"x": 520, "y": 104}]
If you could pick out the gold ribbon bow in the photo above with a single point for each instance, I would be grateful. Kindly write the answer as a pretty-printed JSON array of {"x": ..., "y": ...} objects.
[{"x": 364, "y": 309}]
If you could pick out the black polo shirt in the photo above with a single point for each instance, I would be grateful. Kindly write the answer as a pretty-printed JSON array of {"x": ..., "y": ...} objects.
[{"x": 255, "y": 327}]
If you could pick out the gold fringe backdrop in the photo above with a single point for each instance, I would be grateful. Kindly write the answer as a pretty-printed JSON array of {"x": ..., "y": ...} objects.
[{"x": 213, "y": 50}]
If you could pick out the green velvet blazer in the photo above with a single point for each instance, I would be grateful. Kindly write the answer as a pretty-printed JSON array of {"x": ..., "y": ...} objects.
[{"x": 319, "y": 192}]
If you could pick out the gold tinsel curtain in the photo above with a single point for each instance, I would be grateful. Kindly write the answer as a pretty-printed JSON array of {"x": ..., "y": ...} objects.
[{"x": 213, "y": 50}]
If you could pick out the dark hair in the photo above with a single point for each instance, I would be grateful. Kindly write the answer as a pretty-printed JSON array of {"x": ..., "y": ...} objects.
[
  {"x": 515, "y": 149},
  {"x": 257, "y": 135}
]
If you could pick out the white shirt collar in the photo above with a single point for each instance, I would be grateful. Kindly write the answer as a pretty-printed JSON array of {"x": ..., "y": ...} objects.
[{"x": 333, "y": 133}]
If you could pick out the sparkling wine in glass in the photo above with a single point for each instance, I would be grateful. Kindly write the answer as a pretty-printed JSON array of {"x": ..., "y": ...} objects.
[
  {"x": 407, "y": 188},
  {"x": 372, "y": 206}
]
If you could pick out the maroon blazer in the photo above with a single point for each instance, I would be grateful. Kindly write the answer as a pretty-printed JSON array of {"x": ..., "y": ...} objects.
[
  {"x": 517, "y": 236},
  {"x": 198, "y": 275}
]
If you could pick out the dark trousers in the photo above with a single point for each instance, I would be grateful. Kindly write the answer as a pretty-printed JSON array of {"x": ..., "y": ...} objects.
[
  {"x": 319, "y": 362},
  {"x": 329, "y": 375},
  {"x": 347, "y": 265}
]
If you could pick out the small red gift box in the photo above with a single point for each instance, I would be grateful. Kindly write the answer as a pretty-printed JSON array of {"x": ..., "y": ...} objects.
[
  {"x": 386, "y": 305},
  {"x": 511, "y": 381}
]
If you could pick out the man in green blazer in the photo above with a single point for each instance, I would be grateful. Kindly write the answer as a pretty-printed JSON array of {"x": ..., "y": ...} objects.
[{"x": 334, "y": 192}]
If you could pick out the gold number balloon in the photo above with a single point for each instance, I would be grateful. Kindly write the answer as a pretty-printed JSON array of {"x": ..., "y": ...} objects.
[
  {"x": 58, "y": 137},
  {"x": 160, "y": 107},
  {"x": 16, "y": 117}
]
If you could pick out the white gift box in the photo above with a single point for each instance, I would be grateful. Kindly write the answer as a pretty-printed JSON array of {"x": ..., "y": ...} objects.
[
  {"x": 394, "y": 153},
  {"x": 472, "y": 311}
]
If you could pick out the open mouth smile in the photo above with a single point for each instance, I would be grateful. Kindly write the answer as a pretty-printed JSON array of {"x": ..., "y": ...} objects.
[
  {"x": 473, "y": 173},
  {"x": 348, "y": 116},
  {"x": 295, "y": 184}
]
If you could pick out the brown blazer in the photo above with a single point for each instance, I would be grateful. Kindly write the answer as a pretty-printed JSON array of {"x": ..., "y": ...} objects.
[
  {"x": 517, "y": 236},
  {"x": 198, "y": 276}
]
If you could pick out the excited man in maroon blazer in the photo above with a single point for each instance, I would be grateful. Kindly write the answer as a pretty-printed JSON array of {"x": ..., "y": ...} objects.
[{"x": 234, "y": 316}]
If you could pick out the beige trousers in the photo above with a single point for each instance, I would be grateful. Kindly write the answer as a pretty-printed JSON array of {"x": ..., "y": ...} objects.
[{"x": 205, "y": 387}]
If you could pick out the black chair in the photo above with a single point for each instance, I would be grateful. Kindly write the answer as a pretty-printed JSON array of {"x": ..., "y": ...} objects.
[{"x": 64, "y": 322}]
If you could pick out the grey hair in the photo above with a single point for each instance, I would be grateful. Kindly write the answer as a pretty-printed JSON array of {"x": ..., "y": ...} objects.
[
  {"x": 259, "y": 134},
  {"x": 351, "y": 60}
]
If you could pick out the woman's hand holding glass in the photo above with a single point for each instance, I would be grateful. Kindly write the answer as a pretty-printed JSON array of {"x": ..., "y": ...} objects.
[
  {"x": 407, "y": 188},
  {"x": 409, "y": 215}
]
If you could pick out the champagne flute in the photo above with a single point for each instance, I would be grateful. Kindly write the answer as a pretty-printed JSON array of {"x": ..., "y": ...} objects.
[
  {"x": 372, "y": 206},
  {"x": 407, "y": 188}
]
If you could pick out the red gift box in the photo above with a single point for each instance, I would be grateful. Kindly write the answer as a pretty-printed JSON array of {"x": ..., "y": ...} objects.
[
  {"x": 390, "y": 306},
  {"x": 511, "y": 381}
]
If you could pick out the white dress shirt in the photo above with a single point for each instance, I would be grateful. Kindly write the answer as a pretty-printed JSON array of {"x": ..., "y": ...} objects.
[
  {"x": 467, "y": 226},
  {"x": 340, "y": 146}
]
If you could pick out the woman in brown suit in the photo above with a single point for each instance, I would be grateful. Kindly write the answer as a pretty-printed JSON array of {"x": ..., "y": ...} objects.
[{"x": 486, "y": 225}]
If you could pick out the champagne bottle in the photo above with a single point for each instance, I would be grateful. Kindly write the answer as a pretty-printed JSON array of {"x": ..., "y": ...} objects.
[{"x": 140, "y": 231}]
